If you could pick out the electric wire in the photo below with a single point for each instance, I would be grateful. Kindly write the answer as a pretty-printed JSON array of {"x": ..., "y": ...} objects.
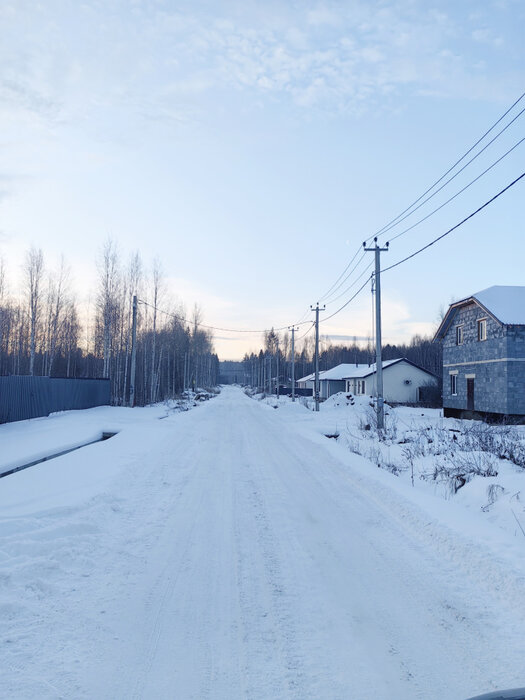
[
  {"x": 215, "y": 328},
  {"x": 342, "y": 273},
  {"x": 327, "y": 318},
  {"x": 463, "y": 221},
  {"x": 428, "y": 245},
  {"x": 401, "y": 233},
  {"x": 457, "y": 193},
  {"x": 308, "y": 331},
  {"x": 395, "y": 219},
  {"x": 351, "y": 285},
  {"x": 330, "y": 293}
]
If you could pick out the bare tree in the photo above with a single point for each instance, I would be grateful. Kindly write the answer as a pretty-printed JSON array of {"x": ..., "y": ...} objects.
[
  {"x": 34, "y": 270},
  {"x": 157, "y": 289},
  {"x": 107, "y": 298}
]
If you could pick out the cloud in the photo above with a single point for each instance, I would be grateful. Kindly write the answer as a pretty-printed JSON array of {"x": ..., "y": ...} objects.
[{"x": 160, "y": 62}]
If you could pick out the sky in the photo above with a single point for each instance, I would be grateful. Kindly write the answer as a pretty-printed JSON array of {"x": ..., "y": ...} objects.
[{"x": 253, "y": 146}]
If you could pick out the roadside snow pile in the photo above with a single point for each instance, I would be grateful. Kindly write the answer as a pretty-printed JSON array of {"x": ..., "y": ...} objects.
[
  {"x": 480, "y": 466},
  {"x": 29, "y": 441}
]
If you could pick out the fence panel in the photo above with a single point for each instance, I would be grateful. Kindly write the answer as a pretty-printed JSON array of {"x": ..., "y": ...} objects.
[{"x": 23, "y": 397}]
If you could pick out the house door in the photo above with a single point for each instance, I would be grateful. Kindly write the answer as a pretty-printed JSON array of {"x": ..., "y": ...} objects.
[{"x": 470, "y": 394}]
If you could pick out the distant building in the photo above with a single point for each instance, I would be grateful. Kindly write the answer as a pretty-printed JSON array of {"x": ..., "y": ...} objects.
[
  {"x": 483, "y": 338},
  {"x": 403, "y": 381},
  {"x": 231, "y": 372},
  {"x": 306, "y": 382}
]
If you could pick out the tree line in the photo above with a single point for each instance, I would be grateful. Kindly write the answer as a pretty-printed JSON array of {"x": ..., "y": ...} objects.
[
  {"x": 273, "y": 362},
  {"x": 43, "y": 331}
]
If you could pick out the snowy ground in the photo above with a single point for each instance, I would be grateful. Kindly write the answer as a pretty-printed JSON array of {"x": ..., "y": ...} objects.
[{"x": 234, "y": 551}]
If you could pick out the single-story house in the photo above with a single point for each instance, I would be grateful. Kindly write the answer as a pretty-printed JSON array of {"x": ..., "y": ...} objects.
[
  {"x": 333, "y": 380},
  {"x": 483, "y": 338},
  {"x": 402, "y": 380},
  {"x": 306, "y": 382}
]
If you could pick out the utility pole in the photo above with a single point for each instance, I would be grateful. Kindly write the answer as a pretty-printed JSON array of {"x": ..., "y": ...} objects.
[
  {"x": 379, "y": 360},
  {"x": 316, "y": 380},
  {"x": 269, "y": 373},
  {"x": 133, "y": 354},
  {"x": 277, "y": 370},
  {"x": 293, "y": 329}
]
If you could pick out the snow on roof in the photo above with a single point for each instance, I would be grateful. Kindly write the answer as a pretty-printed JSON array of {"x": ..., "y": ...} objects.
[
  {"x": 349, "y": 371},
  {"x": 309, "y": 377},
  {"x": 340, "y": 371},
  {"x": 360, "y": 371},
  {"x": 507, "y": 304}
]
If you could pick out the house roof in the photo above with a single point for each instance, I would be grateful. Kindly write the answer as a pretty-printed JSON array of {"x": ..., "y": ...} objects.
[
  {"x": 355, "y": 371},
  {"x": 504, "y": 303},
  {"x": 308, "y": 378},
  {"x": 342, "y": 371},
  {"x": 507, "y": 304},
  {"x": 362, "y": 371}
]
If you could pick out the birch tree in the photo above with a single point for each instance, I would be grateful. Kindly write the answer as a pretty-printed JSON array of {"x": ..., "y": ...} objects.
[{"x": 34, "y": 271}]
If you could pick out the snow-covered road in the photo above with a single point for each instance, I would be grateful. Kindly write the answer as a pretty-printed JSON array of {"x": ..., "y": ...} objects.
[{"x": 231, "y": 557}]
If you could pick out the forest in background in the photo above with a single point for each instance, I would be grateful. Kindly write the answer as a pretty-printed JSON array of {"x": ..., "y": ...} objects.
[
  {"x": 274, "y": 359},
  {"x": 44, "y": 332}
]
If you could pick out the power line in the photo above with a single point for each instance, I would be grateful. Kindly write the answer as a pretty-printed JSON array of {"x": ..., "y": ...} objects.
[
  {"x": 334, "y": 287},
  {"x": 351, "y": 285},
  {"x": 216, "y": 328},
  {"x": 388, "y": 228},
  {"x": 401, "y": 233},
  {"x": 412, "y": 255},
  {"x": 395, "y": 219},
  {"x": 428, "y": 245},
  {"x": 308, "y": 331},
  {"x": 342, "y": 273},
  {"x": 327, "y": 318}
]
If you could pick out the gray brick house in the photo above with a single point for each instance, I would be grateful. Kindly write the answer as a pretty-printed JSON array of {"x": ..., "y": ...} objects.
[{"x": 483, "y": 339}]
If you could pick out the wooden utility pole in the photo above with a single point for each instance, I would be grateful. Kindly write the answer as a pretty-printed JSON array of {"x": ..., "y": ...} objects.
[
  {"x": 133, "y": 372},
  {"x": 379, "y": 360},
  {"x": 316, "y": 380}
]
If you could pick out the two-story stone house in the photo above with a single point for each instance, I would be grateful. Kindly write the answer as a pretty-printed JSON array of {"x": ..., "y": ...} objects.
[{"x": 483, "y": 339}]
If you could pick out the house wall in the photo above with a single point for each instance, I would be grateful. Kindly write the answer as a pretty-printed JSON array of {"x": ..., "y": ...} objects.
[
  {"x": 330, "y": 386},
  {"x": 394, "y": 387},
  {"x": 351, "y": 386},
  {"x": 515, "y": 369},
  {"x": 480, "y": 359},
  {"x": 305, "y": 385}
]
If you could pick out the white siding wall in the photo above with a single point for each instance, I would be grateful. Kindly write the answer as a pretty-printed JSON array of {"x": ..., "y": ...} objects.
[
  {"x": 351, "y": 386},
  {"x": 394, "y": 387}
]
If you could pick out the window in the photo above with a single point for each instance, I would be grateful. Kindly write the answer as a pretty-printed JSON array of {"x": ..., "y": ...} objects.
[
  {"x": 482, "y": 329},
  {"x": 360, "y": 386},
  {"x": 454, "y": 384},
  {"x": 459, "y": 335}
]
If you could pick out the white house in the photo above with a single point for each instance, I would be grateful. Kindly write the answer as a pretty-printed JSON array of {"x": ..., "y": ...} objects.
[
  {"x": 333, "y": 380},
  {"x": 306, "y": 382},
  {"x": 402, "y": 380}
]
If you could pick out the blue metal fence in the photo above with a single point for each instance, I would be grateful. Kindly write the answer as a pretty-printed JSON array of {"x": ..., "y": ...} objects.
[{"x": 23, "y": 397}]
